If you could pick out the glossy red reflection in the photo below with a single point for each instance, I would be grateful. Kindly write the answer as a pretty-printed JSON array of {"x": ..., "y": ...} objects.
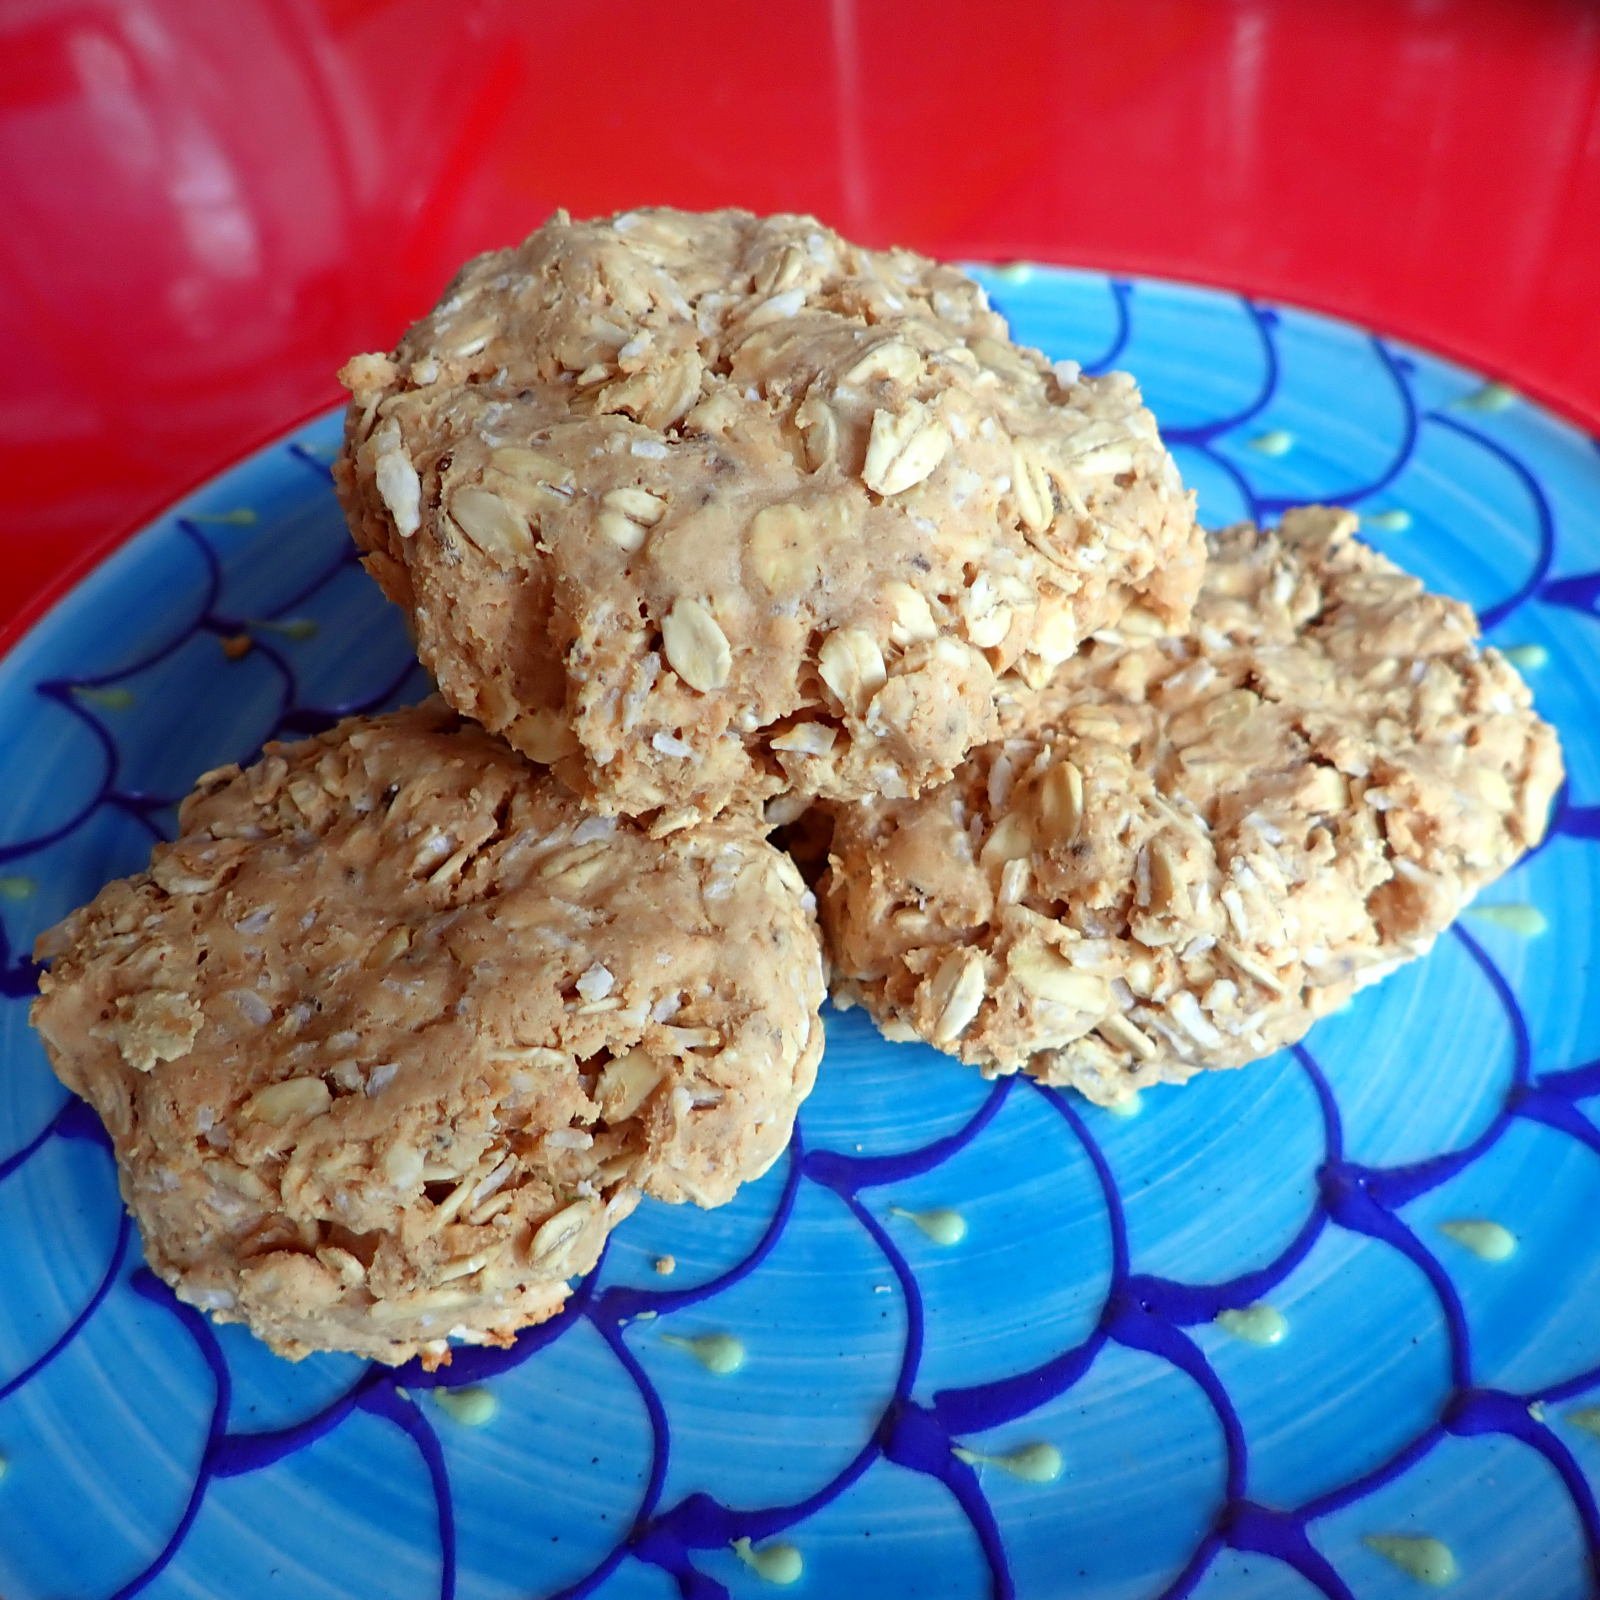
[{"x": 210, "y": 205}]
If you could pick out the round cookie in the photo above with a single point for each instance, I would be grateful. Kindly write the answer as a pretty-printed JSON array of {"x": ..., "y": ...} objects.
[
  {"x": 1200, "y": 845},
  {"x": 394, "y": 1033},
  {"x": 708, "y": 509}
]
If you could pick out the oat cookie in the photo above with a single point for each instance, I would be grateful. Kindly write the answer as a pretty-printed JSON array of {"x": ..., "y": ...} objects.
[
  {"x": 708, "y": 509},
  {"x": 1203, "y": 844},
  {"x": 394, "y": 1033}
]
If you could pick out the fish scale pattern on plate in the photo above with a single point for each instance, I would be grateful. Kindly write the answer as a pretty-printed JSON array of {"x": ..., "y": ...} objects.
[{"x": 819, "y": 1300}]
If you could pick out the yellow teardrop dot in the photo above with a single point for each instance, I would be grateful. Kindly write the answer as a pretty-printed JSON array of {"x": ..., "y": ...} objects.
[
  {"x": 471, "y": 1405},
  {"x": 720, "y": 1353},
  {"x": 1527, "y": 657},
  {"x": 1396, "y": 520},
  {"x": 1033, "y": 1463},
  {"x": 1527, "y": 921},
  {"x": 1487, "y": 1240},
  {"x": 941, "y": 1224},
  {"x": 1258, "y": 1324},
  {"x": 1427, "y": 1560},
  {"x": 1491, "y": 397},
  {"x": 777, "y": 1563},
  {"x": 1274, "y": 442},
  {"x": 112, "y": 697}
]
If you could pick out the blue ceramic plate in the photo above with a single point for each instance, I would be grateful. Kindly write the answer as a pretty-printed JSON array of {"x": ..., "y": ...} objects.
[{"x": 994, "y": 1341}]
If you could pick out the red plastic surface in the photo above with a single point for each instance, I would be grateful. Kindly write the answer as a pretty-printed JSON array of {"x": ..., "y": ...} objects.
[{"x": 210, "y": 203}]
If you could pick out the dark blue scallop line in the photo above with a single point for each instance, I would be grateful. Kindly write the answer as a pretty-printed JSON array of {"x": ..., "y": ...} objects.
[
  {"x": 1136, "y": 1328},
  {"x": 1203, "y": 433},
  {"x": 1397, "y": 1185},
  {"x": 1327, "y": 1105},
  {"x": 845, "y": 1173},
  {"x": 119, "y": 1249},
  {"x": 1569, "y": 1388},
  {"x": 1578, "y": 593},
  {"x": 657, "y": 1540},
  {"x": 240, "y": 1453},
  {"x": 597, "y": 1575},
  {"x": 1109, "y": 1193},
  {"x": 611, "y": 1330},
  {"x": 1281, "y": 1536},
  {"x": 77, "y": 1121},
  {"x": 1254, "y": 506},
  {"x": 1558, "y": 1112},
  {"x": 1350, "y": 494},
  {"x": 159, "y": 653},
  {"x": 19, "y": 978},
  {"x": 59, "y": 691},
  {"x": 702, "y": 1521},
  {"x": 973, "y": 1408},
  {"x": 628, "y": 1300},
  {"x": 142, "y": 800},
  {"x": 309, "y": 720},
  {"x": 987, "y": 1405},
  {"x": 911, "y": 1356},
  {"x": 323, "y": 469},
  {"x": 146, "y": 1284},
  {"x": 348, "y": 557},
  {"x": 762, "y": 1522},
  {"x": 1359, "y": 1487},
  {"x": 1576, "y": 1083},
  {"x": 962, "y": 1482},
  {"x": 262, "y": 649},
  {"x": 15, "y": 1160},
  {"x": 661, "y": 1550},
  {"x": 914, "y": 1438},
  {"x": 1561, "y": 1458},
  {"x": 383, "y": 1401},
  {"x": 114, "y": 801},
  {"x": 1577, "y": 822},
  {"x": 1522, "y": 1045},
  {"x": 1189, "y": 1303},
  {"x": 1481, "y": 1411},
  {"x": 213, "y": 591},
  {"x": 583, "y": 1305},
  {"x": 1193, "y": 1570},
  {"x": 1121, "y": 292},
  {"x": 1353, "y": 1207},
  {"x": 1490, "y": 616}
]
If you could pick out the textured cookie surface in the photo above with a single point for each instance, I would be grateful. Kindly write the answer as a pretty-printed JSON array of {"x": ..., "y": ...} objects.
[
  {"x": 394, "y": 1033},
  {"x": 1200, "y": 845},
  {"x": 715, "y": 508}
]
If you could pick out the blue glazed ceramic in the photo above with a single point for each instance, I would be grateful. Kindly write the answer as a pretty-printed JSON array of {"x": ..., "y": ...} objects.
[{"x": 1329, "y": 1326}]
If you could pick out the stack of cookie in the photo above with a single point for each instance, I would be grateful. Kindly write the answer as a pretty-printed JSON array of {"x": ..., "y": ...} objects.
[{"x": 708, "y": 526}]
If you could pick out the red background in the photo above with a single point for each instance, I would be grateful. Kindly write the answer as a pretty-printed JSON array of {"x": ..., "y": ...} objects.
[{"x": 210, "y": 203}]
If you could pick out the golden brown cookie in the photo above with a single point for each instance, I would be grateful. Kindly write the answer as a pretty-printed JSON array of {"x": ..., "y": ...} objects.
[
  {"x": 708, "y": 509},
  {"x": 394, "y": 1032},
  {"x": 1200, "y": 845}
]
